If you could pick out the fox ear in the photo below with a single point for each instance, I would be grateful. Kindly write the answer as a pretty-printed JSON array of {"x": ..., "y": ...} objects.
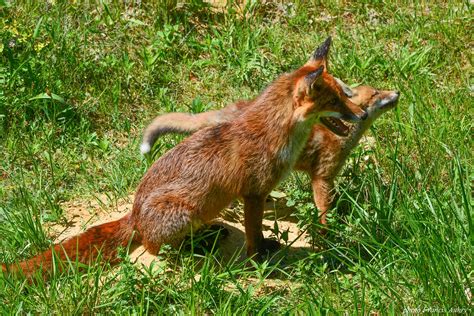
[
  {"x": 314, "y": 77},
  {"x": 345, "y": 88},
  {"x": 321, "y": 52}
]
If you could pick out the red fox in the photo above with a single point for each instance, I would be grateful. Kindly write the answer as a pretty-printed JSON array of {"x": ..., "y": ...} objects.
[
  {"x": 246, "y": 157},
  {"x": 329, "y": 145}
]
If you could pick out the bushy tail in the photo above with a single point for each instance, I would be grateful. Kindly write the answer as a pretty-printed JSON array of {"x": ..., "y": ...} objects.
[
  {"x": 103, "y": 239},
  {"x": 175, "y": 123},
  {"x": 187, "y": 123}
]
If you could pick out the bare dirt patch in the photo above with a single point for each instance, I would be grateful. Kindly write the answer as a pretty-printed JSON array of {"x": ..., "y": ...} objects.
[{"x": 82, "y": 214}]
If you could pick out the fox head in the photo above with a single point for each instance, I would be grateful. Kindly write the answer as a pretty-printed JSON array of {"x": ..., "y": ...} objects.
[
  {"x": 319, "y": 93},
  {"x": 373, "y": 101}
]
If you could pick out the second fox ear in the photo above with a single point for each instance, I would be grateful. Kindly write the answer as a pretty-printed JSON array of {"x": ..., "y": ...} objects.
[
  {"x": 320, "y": 54},
  {"x": 345, "y": 88}
]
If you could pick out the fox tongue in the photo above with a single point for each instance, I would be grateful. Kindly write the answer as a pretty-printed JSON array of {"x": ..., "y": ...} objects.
[{"x": 335, "y": 125}]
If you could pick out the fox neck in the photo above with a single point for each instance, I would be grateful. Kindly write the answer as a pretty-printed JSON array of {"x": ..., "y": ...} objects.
[
  {"x": 357, "y": 130},
  {"x": 281, "y": 136},
  {"x": 295, "y": 142}
]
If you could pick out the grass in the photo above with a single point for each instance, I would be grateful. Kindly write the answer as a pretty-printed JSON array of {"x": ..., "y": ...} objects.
[{"x": 79, "y": 83}]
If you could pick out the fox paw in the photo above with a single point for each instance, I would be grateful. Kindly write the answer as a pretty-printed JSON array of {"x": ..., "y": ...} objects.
[
  {"x": 206, "y": 239},
  {"x": 268, "y": 246}
]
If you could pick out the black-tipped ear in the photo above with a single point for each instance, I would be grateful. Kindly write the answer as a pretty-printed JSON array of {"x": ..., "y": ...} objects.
[
  {"x": 322, "y": 51},
  {"x": 313, "y": 77}
]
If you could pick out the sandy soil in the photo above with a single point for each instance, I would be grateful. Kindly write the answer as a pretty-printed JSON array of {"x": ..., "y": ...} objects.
[{"x": 83, "y": 214}]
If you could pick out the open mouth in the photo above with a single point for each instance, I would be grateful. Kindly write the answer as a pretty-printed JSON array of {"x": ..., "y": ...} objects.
[{"x": 335, "y": 125}]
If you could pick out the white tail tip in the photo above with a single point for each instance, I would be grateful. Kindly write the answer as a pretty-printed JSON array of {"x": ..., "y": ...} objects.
[{"x": 145, "y": 148}]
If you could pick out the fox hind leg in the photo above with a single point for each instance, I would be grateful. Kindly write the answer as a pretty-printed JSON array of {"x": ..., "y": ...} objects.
[{"x": 162, "y": 221}]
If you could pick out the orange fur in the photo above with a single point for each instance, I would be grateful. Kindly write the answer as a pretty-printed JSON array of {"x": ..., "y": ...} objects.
[
  {"x": 325, "y": 152},
  {"x": 246, "y": 157},
  {"x": 103, "y": 239}
]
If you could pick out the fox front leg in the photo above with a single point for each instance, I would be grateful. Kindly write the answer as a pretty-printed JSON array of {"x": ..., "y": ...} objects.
[
  {"x": 323, "y": 196},
  {"x": 253, "y": 212}
]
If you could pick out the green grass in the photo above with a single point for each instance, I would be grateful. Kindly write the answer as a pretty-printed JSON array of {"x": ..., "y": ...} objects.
[{"x": 404, "y": 239}]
